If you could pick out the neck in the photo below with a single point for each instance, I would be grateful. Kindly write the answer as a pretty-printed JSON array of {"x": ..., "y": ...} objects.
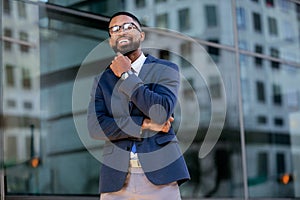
[{"x": 133, "y": 55}]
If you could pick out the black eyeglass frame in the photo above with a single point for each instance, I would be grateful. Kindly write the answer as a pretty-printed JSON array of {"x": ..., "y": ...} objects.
[{"x": 122, "y": 26}]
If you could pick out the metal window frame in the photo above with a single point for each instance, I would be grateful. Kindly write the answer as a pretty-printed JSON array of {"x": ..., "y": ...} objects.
[{"x": 2, "y": 182}]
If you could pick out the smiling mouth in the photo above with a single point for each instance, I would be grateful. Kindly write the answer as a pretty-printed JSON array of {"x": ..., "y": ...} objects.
[{"x": 123, "y": 41}]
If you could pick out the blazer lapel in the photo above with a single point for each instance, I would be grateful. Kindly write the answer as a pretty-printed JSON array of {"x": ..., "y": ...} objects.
[{"x": 149, "y": 62}]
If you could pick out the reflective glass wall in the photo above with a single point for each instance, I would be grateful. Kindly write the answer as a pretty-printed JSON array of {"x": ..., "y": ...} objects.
[
  {"x": 237, "y": 119},
  {"x": 270, "y": 95}
]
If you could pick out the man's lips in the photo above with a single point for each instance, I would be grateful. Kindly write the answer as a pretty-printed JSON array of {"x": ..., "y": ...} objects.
[{"x": 123, "y": 41}]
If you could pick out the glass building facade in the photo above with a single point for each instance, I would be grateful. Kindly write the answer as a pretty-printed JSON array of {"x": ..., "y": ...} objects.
[{"x": 238, "y": 116}]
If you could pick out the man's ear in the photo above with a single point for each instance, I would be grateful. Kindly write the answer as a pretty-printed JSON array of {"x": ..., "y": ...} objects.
[{"x": 142, "y": 36}]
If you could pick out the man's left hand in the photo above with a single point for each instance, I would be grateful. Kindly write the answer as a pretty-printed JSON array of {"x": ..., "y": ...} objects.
[{"x": 165, "y": 127}]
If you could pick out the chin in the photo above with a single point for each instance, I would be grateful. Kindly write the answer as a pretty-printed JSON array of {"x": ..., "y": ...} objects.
[{"x": 126, "y": 51}]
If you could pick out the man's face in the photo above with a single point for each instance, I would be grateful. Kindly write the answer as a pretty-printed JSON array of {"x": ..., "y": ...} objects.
[{"x": 125, "y": 41}]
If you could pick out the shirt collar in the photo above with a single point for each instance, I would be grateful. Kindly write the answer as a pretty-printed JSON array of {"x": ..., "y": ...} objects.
[{"x": 138, "y": 63}]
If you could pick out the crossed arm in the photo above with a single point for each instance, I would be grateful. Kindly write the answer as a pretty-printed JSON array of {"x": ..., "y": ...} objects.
[{"x": 103, "y": 125}]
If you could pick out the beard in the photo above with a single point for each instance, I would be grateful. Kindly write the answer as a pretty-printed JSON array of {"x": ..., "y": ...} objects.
[{"x": 126, "y": 49}]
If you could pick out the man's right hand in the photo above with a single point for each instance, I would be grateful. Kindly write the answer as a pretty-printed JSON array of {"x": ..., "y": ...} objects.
[
  {"x": 149, "y": 124},
  {"x": 120, "y": 64}
]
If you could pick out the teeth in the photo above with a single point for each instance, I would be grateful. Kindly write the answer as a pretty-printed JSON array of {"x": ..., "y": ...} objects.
[{"x": 123, "y": 40}]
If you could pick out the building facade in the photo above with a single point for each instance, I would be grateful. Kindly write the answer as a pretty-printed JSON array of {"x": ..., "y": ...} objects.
[{"x": 237, "y": 118}]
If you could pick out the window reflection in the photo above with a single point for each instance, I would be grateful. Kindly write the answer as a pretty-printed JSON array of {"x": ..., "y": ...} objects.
[
  {"x": 6, "y": 7},
  {"x": 258, "y": 61},
  {"x": 270, "y": 98},
  {"x": 184, "y": 19},
  {"x": 21, "y": 103},
  {"x": 269, "y": 138},
  {"x": 272, "y": 25},
  {"x": 140, "y": 3},
  {"x": 7, "y": 44},
  {"x": 10, "y": 75},
  {"x": 22, "y": 10},
  {"x": 24, "y": 38},
  {"x": 162, "y": 21},
  {"x": 257, "y": 24},
  {"x": 211, "y": 16}
]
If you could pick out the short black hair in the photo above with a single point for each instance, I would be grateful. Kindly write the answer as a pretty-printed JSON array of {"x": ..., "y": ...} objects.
[{"x": 127, "y": 14}]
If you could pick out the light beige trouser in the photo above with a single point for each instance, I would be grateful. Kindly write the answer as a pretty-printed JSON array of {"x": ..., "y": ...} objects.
[{"x": 138, "y": 187}]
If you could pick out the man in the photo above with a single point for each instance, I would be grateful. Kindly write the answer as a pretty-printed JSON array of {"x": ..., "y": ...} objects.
[{"x": 131, "y": 107}]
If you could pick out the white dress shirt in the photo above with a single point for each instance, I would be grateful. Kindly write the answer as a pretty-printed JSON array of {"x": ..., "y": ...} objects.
[
  {"x": 138, "y": 63},
  {"x": 137, "y": 66}
]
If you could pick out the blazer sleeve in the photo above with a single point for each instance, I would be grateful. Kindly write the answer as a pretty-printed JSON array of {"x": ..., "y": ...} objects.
[
  {"x": 103, "y": 126},
  {"x": 157, "y": 103}
]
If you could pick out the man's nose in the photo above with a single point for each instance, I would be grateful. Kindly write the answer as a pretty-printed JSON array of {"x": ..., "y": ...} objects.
[{"x": 121, "y": 32}]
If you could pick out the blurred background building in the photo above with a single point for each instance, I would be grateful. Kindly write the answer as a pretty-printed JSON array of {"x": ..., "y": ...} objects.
[{"x": 240, "y": 71}]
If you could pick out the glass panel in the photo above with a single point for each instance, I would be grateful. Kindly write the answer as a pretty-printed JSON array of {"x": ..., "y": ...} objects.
[
  {"x": 42, "y": 150},
  {"x": 271, "y": 128},
  {"x": 270, "y": 27},
  {"x": 102, "y": 7},
  {"x": 66, "y": 154},
  {"x": 214, "y": 17},
  {"x": 20, "y": 88},
  {"x": 270, "y": 98},
  {"x": 219, "y": 173}
]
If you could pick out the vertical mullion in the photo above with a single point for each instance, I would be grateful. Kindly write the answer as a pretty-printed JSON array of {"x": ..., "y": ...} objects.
[
  {"x": 240, "y": 103},
  {"x": 2, "y": 186}
]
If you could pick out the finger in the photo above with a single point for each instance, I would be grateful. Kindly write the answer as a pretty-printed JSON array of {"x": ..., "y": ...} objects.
[
  {"x": 168, "y": 123},
  {"x": 119, "y": 56},
  {"x": 167, "y": 128},
  {"x": 126, "y": 57},
  {"x": 171, "y": 119},
  {"x": 164, "y": 130}
]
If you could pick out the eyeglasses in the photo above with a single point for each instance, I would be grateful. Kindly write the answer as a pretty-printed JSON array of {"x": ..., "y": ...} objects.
[{"x": 126, "y": 27}]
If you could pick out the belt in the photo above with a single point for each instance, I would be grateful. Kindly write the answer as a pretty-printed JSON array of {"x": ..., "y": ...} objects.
[{"x": 134, "y": 163}]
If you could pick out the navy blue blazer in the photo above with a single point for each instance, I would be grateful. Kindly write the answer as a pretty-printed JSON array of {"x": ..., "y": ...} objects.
[{"x": 115, "y": 114}]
